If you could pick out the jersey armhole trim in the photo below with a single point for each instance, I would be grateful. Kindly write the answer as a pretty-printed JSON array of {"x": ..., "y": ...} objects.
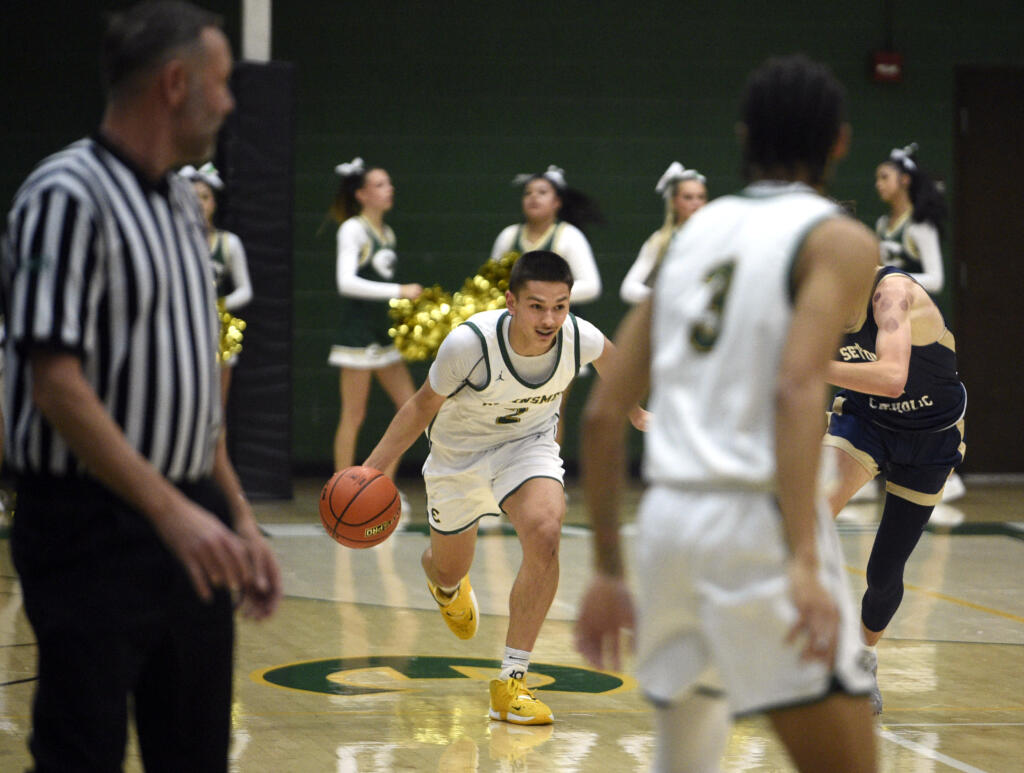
[
  {"x": 487, "y": 361},
  {"x": 575, "y": 343}
]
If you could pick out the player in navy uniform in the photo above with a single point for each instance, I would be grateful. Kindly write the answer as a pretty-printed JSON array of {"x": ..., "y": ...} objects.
[{"x": 901, "y": 412}]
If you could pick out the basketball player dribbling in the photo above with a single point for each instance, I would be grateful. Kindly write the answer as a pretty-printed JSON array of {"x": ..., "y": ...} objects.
[
  {"x": 491, "y": 404},
  {"x": 742, "y": 603}
]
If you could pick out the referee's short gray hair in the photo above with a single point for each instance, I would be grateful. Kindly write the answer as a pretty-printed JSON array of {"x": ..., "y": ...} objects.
[{"x": 144, "y": 36}]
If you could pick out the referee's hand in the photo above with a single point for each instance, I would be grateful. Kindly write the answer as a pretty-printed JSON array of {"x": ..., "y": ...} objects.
[{"x": 213, "y": 555}]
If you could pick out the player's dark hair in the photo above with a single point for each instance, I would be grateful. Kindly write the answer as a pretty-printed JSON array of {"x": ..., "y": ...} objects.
[
  {"x": 539, "y": 266},
  {"x": 792, "y": 110},
  {"x": 577, "y": 207},
  {"x": 145, "y": 36},
  {"x": 925, "y": 195}
]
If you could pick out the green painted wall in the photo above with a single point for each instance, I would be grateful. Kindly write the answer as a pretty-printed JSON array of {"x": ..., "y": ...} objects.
[{"x": 454, "y": 98}]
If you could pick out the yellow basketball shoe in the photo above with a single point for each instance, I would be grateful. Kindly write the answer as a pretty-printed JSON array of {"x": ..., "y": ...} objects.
[
  {"x": 512, "y": 701},
  {"x": 460, "y": 612}
]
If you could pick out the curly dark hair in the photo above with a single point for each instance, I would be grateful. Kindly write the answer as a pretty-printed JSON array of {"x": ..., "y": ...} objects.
[{"x": 792, "y": 109}]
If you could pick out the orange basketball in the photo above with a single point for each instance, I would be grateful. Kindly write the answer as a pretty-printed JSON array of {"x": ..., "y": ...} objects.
[{"x": 359, "y": 507}]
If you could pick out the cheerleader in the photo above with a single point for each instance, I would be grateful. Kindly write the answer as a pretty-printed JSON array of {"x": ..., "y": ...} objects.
[
  {"x": 230, "y": 270},
  {"x": 553, "y": 216},
  {"x": 684, "y": 191},
  {"x": 366, "y": 264},
  {"x": 910, "y": 232}
]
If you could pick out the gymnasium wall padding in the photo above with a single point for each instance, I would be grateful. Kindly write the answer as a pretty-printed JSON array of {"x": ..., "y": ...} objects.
[{"x": 255, "y": 156}]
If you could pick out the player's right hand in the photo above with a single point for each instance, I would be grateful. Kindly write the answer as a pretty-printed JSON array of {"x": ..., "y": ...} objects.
[
  {"x": 606, "y": 613},
  {"x": 817, "y": 613}
]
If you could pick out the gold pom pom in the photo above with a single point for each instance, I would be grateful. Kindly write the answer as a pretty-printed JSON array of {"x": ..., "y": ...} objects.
[
  {"x": 231, "y": 330},
  {"x": 421, "y": 325}
]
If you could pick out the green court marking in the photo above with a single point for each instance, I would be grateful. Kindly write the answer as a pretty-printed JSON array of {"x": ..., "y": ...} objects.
[
  {"x": 315, "y": 675},
  {"x": 982, "y": 529}
]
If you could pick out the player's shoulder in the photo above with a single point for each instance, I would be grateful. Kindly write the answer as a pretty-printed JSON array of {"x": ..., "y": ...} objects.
[
  {"x": 575, "y": 321},
  {"x": 839, "y": 245},
  {"x": 839, "y": 227},
  {"x": 483, "y": 321},
  {"x": 892, "y": 280}
]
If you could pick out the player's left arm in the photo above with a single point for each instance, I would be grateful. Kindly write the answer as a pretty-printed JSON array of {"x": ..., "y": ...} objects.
[
  {"x": 604, "y": 364},
  {"x": 607, "y": 608},
  {"x": 892, "y": 303},
  {"x": 832, "y": 278}
]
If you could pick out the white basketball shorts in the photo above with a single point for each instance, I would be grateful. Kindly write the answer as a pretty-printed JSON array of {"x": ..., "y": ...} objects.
[
  {"x": 462, "y": 487},
  {"x": 713, "y": 603}
]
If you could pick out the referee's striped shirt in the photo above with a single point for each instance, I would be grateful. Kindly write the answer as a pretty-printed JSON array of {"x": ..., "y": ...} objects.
[{"x": 100, "y": 262}]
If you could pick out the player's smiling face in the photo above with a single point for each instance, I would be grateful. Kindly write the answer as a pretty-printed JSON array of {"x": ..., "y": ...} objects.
[{"x": 538, "y": 311}]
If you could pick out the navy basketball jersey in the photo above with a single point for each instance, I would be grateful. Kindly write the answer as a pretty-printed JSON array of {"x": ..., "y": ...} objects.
[{"x": 933, "y": 398}]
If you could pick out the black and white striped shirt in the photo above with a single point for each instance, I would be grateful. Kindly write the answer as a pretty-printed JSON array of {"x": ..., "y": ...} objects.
[{"x": 99, "y": 261}]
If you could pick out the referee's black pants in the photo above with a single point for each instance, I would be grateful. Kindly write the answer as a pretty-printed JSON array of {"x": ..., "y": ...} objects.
[{"x": 118, "y": 624}]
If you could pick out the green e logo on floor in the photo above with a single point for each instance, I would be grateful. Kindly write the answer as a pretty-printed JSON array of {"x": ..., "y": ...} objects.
[{"x": 395, "y": 673}]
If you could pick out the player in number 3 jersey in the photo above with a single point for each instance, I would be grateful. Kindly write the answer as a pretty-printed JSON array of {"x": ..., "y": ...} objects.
[{"x": 742, "y": 602}]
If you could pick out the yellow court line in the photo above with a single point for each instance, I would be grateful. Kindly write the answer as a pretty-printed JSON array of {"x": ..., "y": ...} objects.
[
  {"x": 391, "y": 713},
  {"x": 950, "y": 599}
]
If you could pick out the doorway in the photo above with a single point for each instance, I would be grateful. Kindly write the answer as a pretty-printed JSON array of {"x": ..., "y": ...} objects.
[{"x": 988, "y": 263}]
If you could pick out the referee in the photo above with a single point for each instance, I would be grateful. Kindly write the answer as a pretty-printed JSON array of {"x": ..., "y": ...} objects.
[{"x": 132, "y": 530}]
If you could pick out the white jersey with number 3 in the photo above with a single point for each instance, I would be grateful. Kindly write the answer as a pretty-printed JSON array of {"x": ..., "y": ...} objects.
[{"x": 722, "y": 308}]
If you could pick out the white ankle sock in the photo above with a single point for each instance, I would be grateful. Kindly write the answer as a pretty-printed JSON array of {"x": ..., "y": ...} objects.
[
  {"x": 514, "y": 664},
  {"x": 445, "y": 594}
]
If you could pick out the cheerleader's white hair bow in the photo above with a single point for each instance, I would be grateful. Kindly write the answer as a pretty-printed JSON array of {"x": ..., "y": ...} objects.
[
  {"x": 207, "y": 173},
  {"x": 555, "y": 175},
  {"x": 902, "y": 157},
  {"x": 676, "y": 172},
  {"x": 355, "y": 166}
]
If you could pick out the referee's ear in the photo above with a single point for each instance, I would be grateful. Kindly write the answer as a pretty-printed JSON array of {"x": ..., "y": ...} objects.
[{"x": 173, "y": 82}]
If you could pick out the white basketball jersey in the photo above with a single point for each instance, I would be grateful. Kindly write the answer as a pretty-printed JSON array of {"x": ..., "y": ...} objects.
[
  {"x": 505, "y": 406},
  {"x": 722, "y": 308}
]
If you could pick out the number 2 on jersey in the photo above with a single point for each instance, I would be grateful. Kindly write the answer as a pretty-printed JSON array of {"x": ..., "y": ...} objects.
[
  {"x": 512, "y": 417},
  {"x": 705, "y": 330}
]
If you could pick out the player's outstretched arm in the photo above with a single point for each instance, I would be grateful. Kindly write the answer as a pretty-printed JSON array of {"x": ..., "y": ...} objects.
[
  {"x": 410, "y": 421},
  {"x": 607, "y": 609},
  {"x": 891, "y": 304},
  {"x": 832, "y": 278},
  {"x": 638, "y": 417}
]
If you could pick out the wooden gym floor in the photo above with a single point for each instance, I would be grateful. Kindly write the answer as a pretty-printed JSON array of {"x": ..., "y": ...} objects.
[{"x": 357, "y": 673}]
